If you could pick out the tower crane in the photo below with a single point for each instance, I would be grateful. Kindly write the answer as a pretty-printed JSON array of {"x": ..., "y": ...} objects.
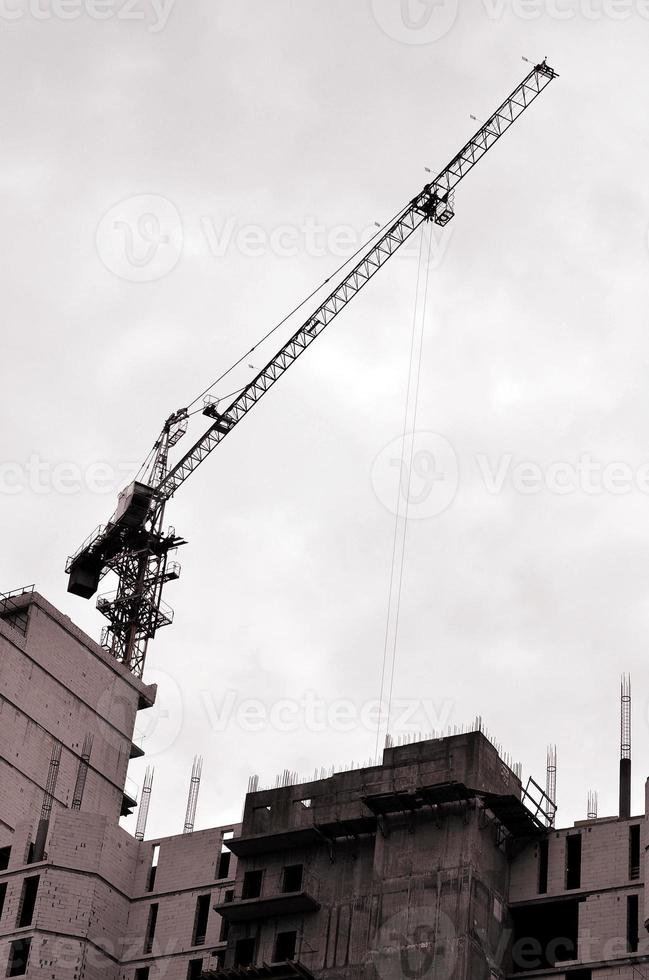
[{"x": 133, "y": 543}]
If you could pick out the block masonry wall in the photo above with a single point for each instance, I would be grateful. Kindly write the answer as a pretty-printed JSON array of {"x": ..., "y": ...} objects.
[
  {"x": 57, "y": 686},
  {"x": 94, "y": 894},
  {"x": 609, "y": 876}
]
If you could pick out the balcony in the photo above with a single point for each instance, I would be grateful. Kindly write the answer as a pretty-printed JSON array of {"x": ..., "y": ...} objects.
[
  {"x": 128, "y": 805},
  {"x": 281, "y": 840},
  {"x": 354, "y": 821},
  {"x": 288, "y": 892}
]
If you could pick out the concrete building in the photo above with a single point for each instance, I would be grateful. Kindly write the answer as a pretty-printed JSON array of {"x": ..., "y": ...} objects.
[
  {"x": 435, "y": 864},
  {"x": 439, "y": 863},
  {"x": 380, "y": 870},
  {"x": 79, "y": 896}
]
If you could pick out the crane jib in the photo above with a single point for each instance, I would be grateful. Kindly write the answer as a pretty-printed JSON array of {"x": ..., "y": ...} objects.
[{"x": 434, "y": 203}]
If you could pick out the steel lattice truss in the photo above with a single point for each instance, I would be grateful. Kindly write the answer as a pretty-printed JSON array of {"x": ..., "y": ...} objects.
[
  {"x": 433, "y": 203},
  {"x": 136, "y": 611},
  {"x": 132, "y": 543}
]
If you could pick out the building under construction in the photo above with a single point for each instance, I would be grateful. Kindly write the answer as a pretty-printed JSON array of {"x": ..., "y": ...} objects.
[{"x": 437, "y": 863}]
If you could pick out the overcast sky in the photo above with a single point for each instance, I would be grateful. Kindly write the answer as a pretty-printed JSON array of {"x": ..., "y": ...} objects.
[{"x": 177, "y": 176}]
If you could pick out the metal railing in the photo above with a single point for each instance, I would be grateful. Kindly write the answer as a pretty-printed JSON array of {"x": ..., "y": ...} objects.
[
  {"x": 13, "y": 612},
  {"x": 97, "y": 533}
]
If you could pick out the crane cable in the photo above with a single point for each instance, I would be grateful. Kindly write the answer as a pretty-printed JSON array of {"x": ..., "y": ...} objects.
[
  {"x": 401, "y": 522},
  {"x": 306, "y": 299},
  {"x": 365, "y": 246}
]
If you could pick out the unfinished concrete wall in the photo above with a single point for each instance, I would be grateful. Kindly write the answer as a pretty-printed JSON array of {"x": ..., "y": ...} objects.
[{"x": 419, "y": 881}]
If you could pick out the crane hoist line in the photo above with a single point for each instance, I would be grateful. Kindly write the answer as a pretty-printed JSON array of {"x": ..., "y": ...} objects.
[{"x": 133, "y": 544}]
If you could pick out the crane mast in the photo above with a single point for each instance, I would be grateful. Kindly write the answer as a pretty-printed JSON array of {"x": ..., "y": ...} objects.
[{"x": 133, "y": 543}]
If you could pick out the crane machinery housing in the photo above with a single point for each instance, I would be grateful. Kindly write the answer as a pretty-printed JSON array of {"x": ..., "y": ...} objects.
[{"x": 133, "y": 543}]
